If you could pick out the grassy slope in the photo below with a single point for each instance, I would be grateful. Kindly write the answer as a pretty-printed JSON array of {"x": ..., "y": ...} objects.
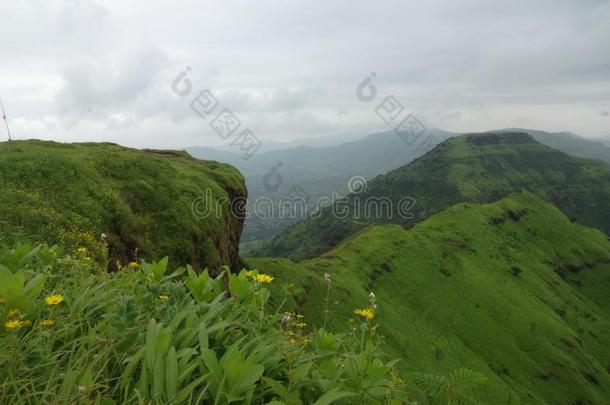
[
  {"x": 71, "y": 193},
  {"x": 450, "y": 296},
  {"x": 476, "y": 168}
]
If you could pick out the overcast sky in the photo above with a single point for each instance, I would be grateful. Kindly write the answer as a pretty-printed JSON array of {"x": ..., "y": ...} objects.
[{"x": 84, "y": 70}]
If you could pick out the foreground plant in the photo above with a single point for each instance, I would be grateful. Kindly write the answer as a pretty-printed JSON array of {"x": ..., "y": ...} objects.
[{"x": 141, "y": 336}]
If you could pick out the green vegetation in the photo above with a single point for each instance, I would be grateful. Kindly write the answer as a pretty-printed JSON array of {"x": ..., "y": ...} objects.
[
  {"x": 73, "y": 333},
  {"x": 500, "y": 294},
  {"x": 512, "y": 289},
  {"x": 71, "y": 194},
  {"x": 322, "y": 171},
  {"x": 475, "y": 168}
]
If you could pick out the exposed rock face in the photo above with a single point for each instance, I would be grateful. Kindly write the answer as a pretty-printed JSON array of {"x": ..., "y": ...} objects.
[{"x": 228, "y": 243}]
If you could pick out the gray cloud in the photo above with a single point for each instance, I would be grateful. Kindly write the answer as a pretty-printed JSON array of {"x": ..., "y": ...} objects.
[
  {"x": 78, "y": 67},
  {"x": 98, "y": 90}
]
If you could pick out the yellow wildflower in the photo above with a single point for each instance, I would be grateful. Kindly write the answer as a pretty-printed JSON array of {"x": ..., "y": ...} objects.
[
  {"x": 263, "y": 278},
  {"x": 249, "y": 274},
  {"x": 82, "y": 250},
  {"x": 367, "y": 313},
  {"x": 26, "y": 324},
  {"x": 163, "y": 297},
  {"x": 54, "y": 299},
  {"x": 300, "y": 324},
  {"x": 15, "y": 324},
  {"x": 14, "y": 313},
  {"x": 132, "y": 265},
  {"x": 47, "y": 322}
]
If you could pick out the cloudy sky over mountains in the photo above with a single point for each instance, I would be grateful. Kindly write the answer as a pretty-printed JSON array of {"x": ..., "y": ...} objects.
[{"x": 80, "y": 70}]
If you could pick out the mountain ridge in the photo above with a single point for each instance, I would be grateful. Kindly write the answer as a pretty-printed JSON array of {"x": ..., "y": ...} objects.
[
  {"x": 480, "y": 167},
  {"x": 323, "y": 172}
]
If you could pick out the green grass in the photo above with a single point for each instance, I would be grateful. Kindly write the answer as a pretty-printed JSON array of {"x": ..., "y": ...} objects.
[
  {"x": 470, "y": 168},
  {"x": 144, "y": 336},
  {"x": 512, "y": 289},
  {"x": 69, "y": 194}
]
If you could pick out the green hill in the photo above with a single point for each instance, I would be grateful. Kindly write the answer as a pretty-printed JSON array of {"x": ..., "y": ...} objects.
[
  {"x": 476, "y": 168},
  {"x": 69, "y": 194},
  {"x": 318, "y": 171},
  {"x": 513, "y": 289}
]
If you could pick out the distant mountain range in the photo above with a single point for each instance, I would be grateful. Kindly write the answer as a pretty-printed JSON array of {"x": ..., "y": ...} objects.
[
  {"x": 570, "y": 143},
  {"x": 269, "y": 145},
  {"x": 312, "y": 171},
  {"x": 476, "y": 167}
]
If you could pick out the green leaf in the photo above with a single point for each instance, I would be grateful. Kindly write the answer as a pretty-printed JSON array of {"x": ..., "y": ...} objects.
[
  {"x": 252, "y": 375},
  {"x": 158, "y": 377},
  {"x": 210, "y": 360},
  {"x": 276, "y": 386},
  {"x": 163, "y": 341},
  {"x": 34, "y": 287},
  {"x": 239, "y": 286},
  {"x": 171, "y": 373},
  {"x": 204, "y": 342},
  {"x": 160, "y": 268},
  {"x": 333, "y": 396},
  {"x": 300, "y": 372},
  {"x": 143, "y": 385},
  {"x": 151, "y": 341}
]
